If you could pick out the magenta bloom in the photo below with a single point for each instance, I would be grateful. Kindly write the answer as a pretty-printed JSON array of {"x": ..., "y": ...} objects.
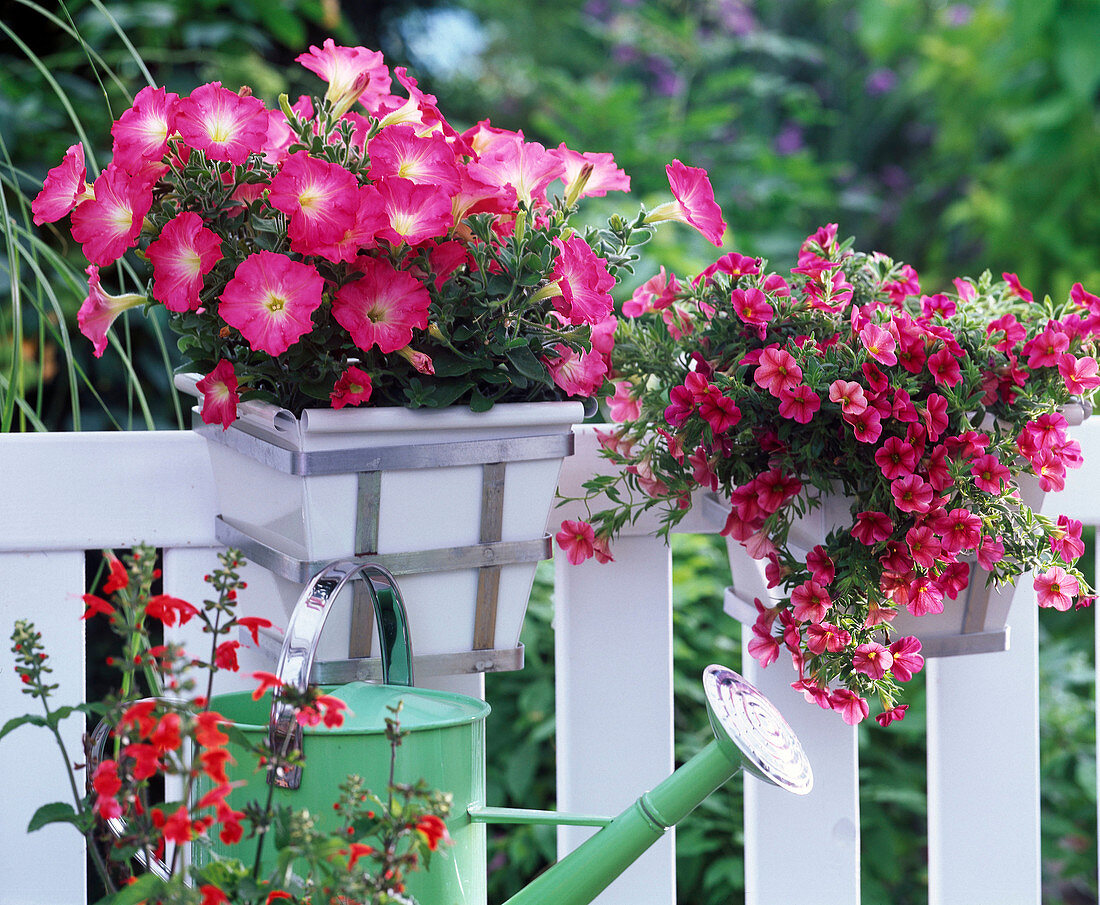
[
  {"x": 826, "y": 637},
  {"x": 185, "y": 252},
  {"x": 867, "y": 425},
  {"x": 99, "y": 310},
  {"x": 577, "y": 539},
  {"x": 849, "y": 395},
  {"x": 1066, "y": 538},
  {"x": 751, "y": 305},
  {"x": 990, "y": 552},
  {"x": 911, "y": 493},
  {"x": 109, "y": 224},
  {"x": 223, "y": 125},
  {"x": 415, "y": 213},
  {"x": 777, "y": 371},
  {"x": 353, "y": 387},
  {"x": 63, "y": 186},
  {"x": 925, "y": 596},
  {"x": 820, "y": 565},
  {"x": 879, "y": 343},
  {"x": 896, "y": 458},
  {"x": 219, "y": 395},
  {"x": 383, "y": 307},
  {"x": 622, "y": 406},
  {"x": 935, "y": 416},
  {"x": 423, "y": 159},
  {"x": 351, "y": 73},
  {"x": 719, "y": 411},
  {"x": 271, "y": 300},
  {"x": 763, "y": 647},
  {"x": 894, "y": 714},
  {"x": 695, "y": 200},
  {"x": 960, "y": 530},
  {"x": 603, "y": 175},
  {"x": 811, "y": 601},
  {"x": 141, "y": 133},
  {"x": 584, "y": 282},
  {"x": 849, "y": 705},
  {"x": 924, "y": 546},
  {"x": 944, "y": 368},
  {"x": 871, "y": 659},
  {"x": 524, "y": 165},
  {"x": 989, "y": 474},
  {"x": 320, "y": 198},
  {"x": 798, "y": 403},
  {"x": 1016, "y": 288},
  {"x": 1079, "y": 374},
  {"x": 872, "y": 527},
  {"x": 577, "y": 373},
  {"x": 1056, "y": 588},
  {"x": 907, "y": 659},
  {"x": 1046, "y": 349}
]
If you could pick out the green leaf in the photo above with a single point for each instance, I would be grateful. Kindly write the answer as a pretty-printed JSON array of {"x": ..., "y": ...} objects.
[
  {"x": 55, "y": 812},
  {"x": 17, "y": 721},
  {"x": 479, "y": 403},
  {"x": 61, "y": 713},
  {"x": 524, "y": 361},
  {"x": 136, "y": 892}
]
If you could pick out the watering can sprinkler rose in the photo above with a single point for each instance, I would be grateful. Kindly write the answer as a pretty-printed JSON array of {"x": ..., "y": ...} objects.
[
  {"x": 331, "y": 836},
  {"x": 873, "y": 449}
]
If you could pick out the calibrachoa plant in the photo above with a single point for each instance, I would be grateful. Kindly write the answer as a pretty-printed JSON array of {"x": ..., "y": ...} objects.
[
  {"x": 355, "y": 248},
  {"x": 926, "y": 412},
  {"x": 174, "y": 733}
]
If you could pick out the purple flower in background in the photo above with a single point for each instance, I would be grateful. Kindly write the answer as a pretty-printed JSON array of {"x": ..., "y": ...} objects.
[
  {"x": 881, "y": 81},
  {"x": 894, "y": 178},
  {"x": 959, "y": 14},
  {"x": 736, "y": 17},
  {"x": 666, "y": 80},
  {"x": 624, "y": 54},
  {"x": 789, "y": 140},
  {"x": 600, "y": 10}
]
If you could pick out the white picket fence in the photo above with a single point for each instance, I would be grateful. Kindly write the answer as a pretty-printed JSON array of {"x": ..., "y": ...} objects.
[{"x": 65, "y": 494}]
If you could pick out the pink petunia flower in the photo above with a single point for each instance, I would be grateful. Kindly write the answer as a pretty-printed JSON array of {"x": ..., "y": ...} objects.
[
  {"x": 415, "y": 213},
  {"x": 181, "y": 256},
  {"x": 141, "y": 133},
  {"x": 872, "y": 659},
  {"x": 603, "y": 175},
  {"x": 219, "y": 395},
  {"x": 694, "y": 202},
  {"x": 577, "y": 539},
  {"x": 352, "y": 388},
  {"x": 584, "y": 282},
  {"x": 109, "y": 224},
  {"x": 99, "y": 310},
  {"x": 657, "y": 292},
  {"x": 63, "y": 188},
  {"x": 270, "y": 300},
  {"x": 525, "y": 165},
  {"x": 622, "y": 405},
  {"x": 1079, "y": 374},
  {"x": 223, "y": 125},
  {"x": 383, "y": 307},
  {"x": 424, "y": 159},
  {"x": 577, "y": 373},
  {"x": 362, "y": 228},
  {"x": 1056, "y": 588},
  {"x": 352, "y": 73},
  {"x": 320, "y": 199}
]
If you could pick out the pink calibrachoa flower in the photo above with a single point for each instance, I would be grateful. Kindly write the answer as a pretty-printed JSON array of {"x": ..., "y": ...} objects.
[
  {"x": 63, "y": 188},
  {"x": 751, "y": 306},
  {"x": 990, "y": 552},
  {"x": 924, "y": 546},
  {"x": 960, "y": 530},
  {"x": 577, "y": 539},
  {"x": 109, "y": 224},
  {"x": 896, "y": 458},
  {"x": 879, "y": 343},
  {"x": 99, "y": 310},
  {"x": 925, "y": 596},
  {"x": 719, "y": 411},
  {"x": 821, "y": 566},
  {"x": 219, "y": 395},
  {"x": 907, "y": 658},
  {"x": 989, "y": 474},
  {"x": 181, "y": 256},
  {"x": 223, "y": 125},
  {"x": 1016, "y": 288},
  {"x": 584, "y": 282},
  {"x": 694, "y": 202},
  {"x": 416, "y": 213},
  {"x": 944, "y": 368},
  {"x": 383, "y": 307},
  {"x": 934, "y": 416},
  {"x": 763, "y": 647},
  {"x": 810, "y": 601},
  {"x": 141, "y": 133},
  {"x": 825, "y": 636},
  {"x": 271, "y": 300},
  {"x": 577, "y": 373},
  {"x": 1079, "y": 374},
  {"x": 911, "y": 493},
  {"x": 867, "y": 425},
  {"x": 872, "y": 527},
  {"x": 353, "y": 388},
  {"x": 657, "y": 292},
  {"x": 352, "y": 73},
  {"x": 872, "y": 659},
  {"x": 892, "y": 715},
  {"x": 849, "y": 705},
  {"x": 1056, "y": 588},
  {"x": 603, "y": 175},
  {"x": 1066, "y": 539},
  {"x": 849, "y": 395},
  {"x": 1046, "y": 349},
  {"x": 798, "y": 403},
  {"x": 622, "y": 406},
  {"x": 777, "y": 371},
  {"x": 424, "y": 159}
]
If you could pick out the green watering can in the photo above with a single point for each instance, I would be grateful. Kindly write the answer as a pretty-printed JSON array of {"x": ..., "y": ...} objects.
[{"x": 445, "y": 746}]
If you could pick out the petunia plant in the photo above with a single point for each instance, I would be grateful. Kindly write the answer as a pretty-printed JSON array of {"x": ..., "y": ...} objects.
[
  {"x": 172, "y": 739},
  {"x": 355, "y": 248},
  {"x": 916, "y": 419}
]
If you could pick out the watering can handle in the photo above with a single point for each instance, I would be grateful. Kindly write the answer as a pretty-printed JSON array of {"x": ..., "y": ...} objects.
[{"x": 303, "y": 633}]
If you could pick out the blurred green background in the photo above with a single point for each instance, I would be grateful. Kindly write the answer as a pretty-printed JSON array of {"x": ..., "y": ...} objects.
[{"x": 954, "y": 136}]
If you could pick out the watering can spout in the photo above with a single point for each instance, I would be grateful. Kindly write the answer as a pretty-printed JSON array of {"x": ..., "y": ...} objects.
[{"x": 750, "y": 734}]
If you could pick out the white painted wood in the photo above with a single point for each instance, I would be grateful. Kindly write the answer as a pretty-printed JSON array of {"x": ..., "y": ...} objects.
[
  {"x": 48, "y": 866},
  {"x": 983, "y": 770},
  {"x": 613, "y": 680},
  {"x": 823, "y": 826}
]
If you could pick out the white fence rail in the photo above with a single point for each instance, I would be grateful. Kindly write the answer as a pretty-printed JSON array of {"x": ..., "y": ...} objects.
[{"x": 64, "y": 494}]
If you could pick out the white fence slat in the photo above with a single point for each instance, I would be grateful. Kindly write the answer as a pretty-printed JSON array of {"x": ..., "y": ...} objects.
[
  {"x": 823, "y": 825},
  {"x": 613, "y": 680},
  {"x": 85, "y": 491},
  {"x": 983, "y": 769},
  {"x": 48, "y": 866}
]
